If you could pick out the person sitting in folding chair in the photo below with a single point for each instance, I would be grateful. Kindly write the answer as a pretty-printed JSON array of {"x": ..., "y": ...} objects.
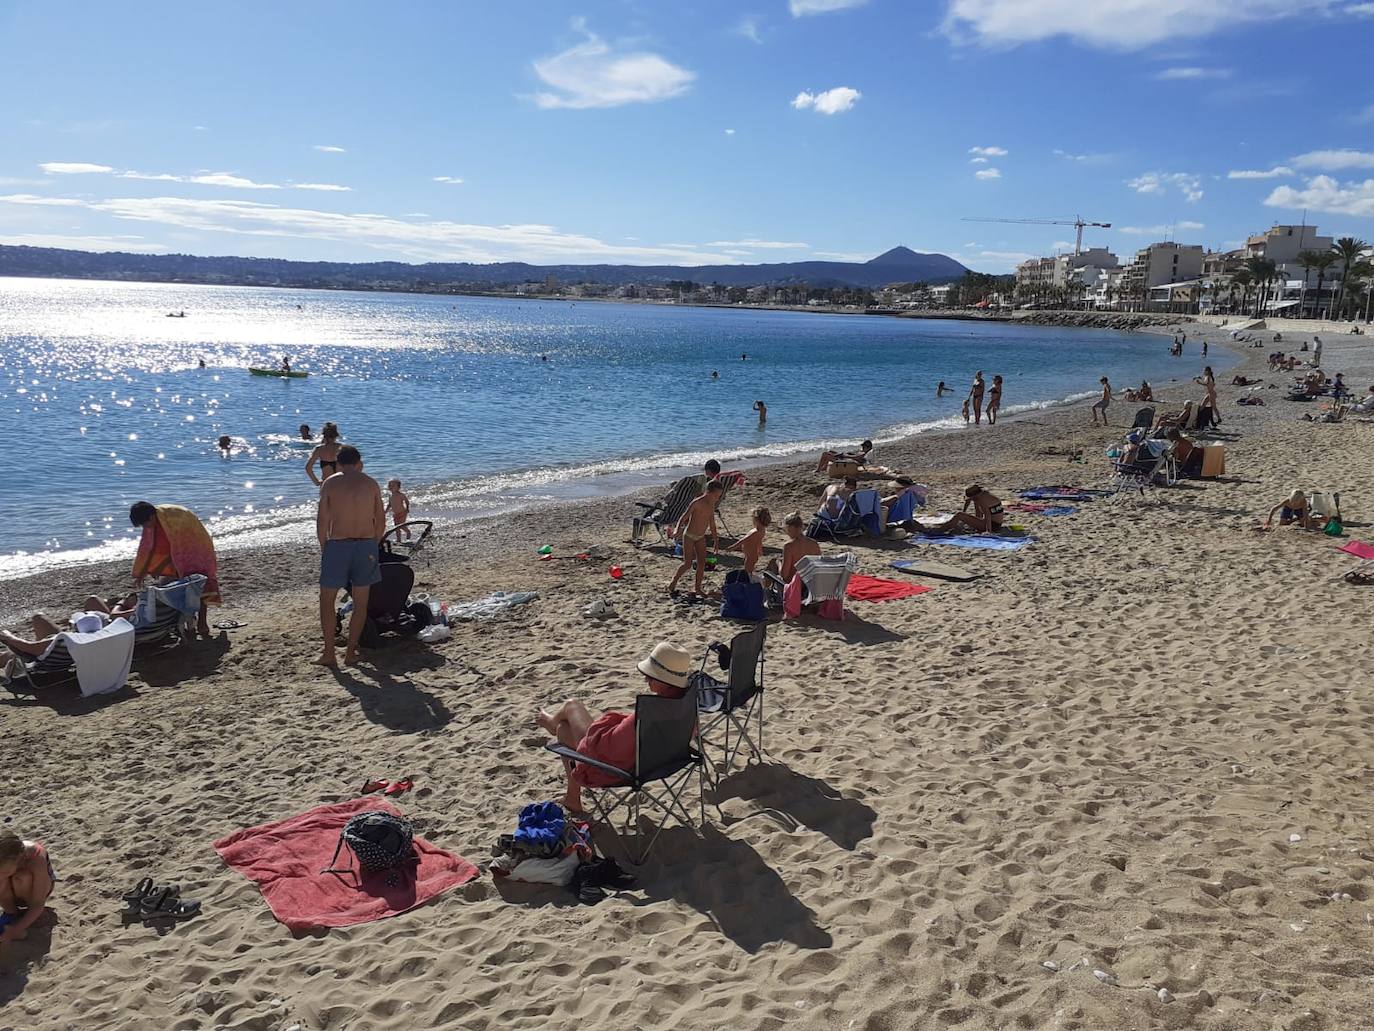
[{"x": 610, "y": 738}]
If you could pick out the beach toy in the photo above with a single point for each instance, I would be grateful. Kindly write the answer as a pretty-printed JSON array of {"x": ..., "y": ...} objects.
[
  {"x": 547, "y": 549},
  {"x": 616, "y": 572},
  {"x": 711, "y": 561}
]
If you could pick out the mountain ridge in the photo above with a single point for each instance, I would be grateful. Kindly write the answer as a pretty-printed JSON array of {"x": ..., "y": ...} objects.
[{"x": 900, "y": 264}]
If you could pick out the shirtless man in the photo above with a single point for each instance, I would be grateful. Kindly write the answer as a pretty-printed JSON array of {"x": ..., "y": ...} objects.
[
  {"x": 751, "y": 544},
  {"x": 350, "y": 524},
  {"x": 975, "y": 395},
  {"x": 696, "y": 522},
  {"x": 798, "y": 544}
]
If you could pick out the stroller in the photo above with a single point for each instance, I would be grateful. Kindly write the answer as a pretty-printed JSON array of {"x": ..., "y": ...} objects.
[{"x": 389, "y": 609}]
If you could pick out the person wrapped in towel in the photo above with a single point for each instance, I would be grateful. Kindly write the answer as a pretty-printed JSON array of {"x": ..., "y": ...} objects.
[{"x": 176, "y": 544}]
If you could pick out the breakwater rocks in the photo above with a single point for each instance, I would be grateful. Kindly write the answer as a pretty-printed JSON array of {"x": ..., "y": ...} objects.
[{"x": 1100, "y": 319}]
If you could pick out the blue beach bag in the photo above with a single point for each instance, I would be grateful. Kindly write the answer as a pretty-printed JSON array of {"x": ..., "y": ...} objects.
[{"x": 741, "y": 597}]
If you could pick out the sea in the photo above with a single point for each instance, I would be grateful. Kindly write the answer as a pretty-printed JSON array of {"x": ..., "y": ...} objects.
[{"x": 478, "y": 405}]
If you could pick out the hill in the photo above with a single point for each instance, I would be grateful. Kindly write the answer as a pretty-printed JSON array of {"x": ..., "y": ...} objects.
[{"x": 897, "y": 265}]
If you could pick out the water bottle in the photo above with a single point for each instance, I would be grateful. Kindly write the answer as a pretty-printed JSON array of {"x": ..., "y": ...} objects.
[{"x": 434, "y": 611}]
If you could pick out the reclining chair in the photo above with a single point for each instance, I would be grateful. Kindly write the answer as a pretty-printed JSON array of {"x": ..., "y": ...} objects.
[{"x": 663, "y": 514}]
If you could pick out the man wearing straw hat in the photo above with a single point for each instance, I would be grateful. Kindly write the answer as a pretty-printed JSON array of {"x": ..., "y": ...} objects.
[{"x": 610, "y": 738}]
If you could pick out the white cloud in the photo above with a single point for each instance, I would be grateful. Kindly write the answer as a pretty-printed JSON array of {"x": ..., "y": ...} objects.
[
  {"x": 323, "y": 187},
  {"x": 1335, "y": 159},
  {"x": 1327, "y": 195},
  {"x": 451, "y": 180},
  {"x": 850, "y": 256},
  {"x": 987, "y": 173},
  {"x": 6, "y": 180},
  {"x": 759, "y": 245},
  {"x": 1360, "y": 10},
  {"x": 80, "y": 243},
  {"x": 1110, "y": 24},
  {"x": 828, "y": 102},
  {"x": 591, "y": 74},
  {"x": 1171, "y": 74},
  {"x": 229, "y": 179},
  {"x": 426, "y": 241},
  {"x": 1188, "y": 184},
  {"x": 1277, "y": 172},
  {"x": 801, "y": 8},
  {"x": 1161, "y": 230},
  {"x": 73, "y": 168},
  {"x": 324, "y": 148},
  {"x": 977, "y": 161},
  {"x": 988, "y": 152},
  {"x": 748, "y": 27},
  {"x": 1090, "y": 159},
  {"x": 729, "y": 132}
]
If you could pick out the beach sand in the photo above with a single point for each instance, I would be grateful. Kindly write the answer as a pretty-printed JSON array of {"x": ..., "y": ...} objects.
[{"x": 1140, "y": 745}]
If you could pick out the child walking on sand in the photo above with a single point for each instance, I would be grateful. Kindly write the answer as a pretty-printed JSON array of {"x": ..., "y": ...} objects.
[
  {"x": 696, "y": 522},
  {"x": 25, "y": 884},
  {"x": 399, "y": 507},
  {"x": 1100, "y": 405}
]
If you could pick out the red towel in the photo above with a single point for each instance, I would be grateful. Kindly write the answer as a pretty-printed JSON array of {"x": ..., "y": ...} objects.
[
  {"x": 1359, "y": 549},
  {"x": 285, "y": 859},
  {"x": 874, "y": 588}
]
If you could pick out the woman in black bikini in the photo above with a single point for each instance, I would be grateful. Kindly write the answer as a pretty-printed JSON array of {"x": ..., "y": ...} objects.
[
  {"x": 327, "y": 454},
  {"x": 987, "y": 513}
]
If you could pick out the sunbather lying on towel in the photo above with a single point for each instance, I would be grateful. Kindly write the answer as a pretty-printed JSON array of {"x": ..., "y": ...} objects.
[
  {"x": 96, "y": 613},
  {"x": 1294, "y": 512},
  {"x": 987, "y": 513},
  {"x": 610, "y": 737},
  {"x": 859, "y": 457}
]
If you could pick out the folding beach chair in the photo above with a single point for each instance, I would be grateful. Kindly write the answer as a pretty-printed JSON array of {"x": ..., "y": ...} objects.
[
  {"x": 1144, "y": 419},
  {"x": 868, "y": 508},
  {"x": 833, "y": 522},
  {"x": 826, "y": 577},
  {"x": 729, "y": 480},
  {"x": 1179, "y": 420},
  {"x": 98, "y": 661},
  {"x": 53, "y": 668},
  {"x": 665, "y": 759},
  {"x": 1153, "y": 466},
  {"x": 664, "y": 514},
  {"x": 169, "y": 610},
  {"x": 734, "y": 703}
]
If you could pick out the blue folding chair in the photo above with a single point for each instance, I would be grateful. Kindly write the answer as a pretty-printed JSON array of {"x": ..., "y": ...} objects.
[{"x": 868, "y": 508}]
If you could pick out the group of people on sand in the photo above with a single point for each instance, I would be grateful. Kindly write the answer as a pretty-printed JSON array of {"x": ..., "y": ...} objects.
[{"x": 326, "y": 457}]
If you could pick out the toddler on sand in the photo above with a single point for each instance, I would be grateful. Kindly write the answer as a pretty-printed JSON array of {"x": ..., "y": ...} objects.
[
  {"x": 399, "y": 507},
  {"x": 25, "y": 884}
]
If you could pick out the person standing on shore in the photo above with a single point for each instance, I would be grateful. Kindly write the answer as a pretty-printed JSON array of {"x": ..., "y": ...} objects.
[
  {"x": 976, "y": 396},
  {"x": 327, "y": 454},
  {"x": 1100, "y": 405},
  {"x": 994, "y": 400},
  {"x": 349, "y": 523}
]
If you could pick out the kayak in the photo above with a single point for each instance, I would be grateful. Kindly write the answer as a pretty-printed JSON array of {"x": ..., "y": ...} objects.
[{"x": 278, "y": 372}]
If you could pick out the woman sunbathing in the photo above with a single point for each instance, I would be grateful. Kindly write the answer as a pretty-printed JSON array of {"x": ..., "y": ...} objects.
[
  {"x": 610, "y": 737},
  {"x": 987, "y": 513}
]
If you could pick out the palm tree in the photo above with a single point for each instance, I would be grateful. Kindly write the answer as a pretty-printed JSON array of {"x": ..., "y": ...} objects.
[
  {"x": 1243, "y": 278},
  {"x": 1308, "y": 261},
  {"x": 1348, "y": 250},
  {"x": 1321, "y": 261}
]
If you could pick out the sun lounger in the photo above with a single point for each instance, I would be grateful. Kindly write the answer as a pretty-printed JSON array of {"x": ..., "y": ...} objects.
[
  {"x": 99, "y": 661},
  {"x": 663, "y": 514}
]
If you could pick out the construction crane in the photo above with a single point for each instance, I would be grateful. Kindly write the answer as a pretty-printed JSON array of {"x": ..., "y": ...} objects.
[{"x": 1077, "y": 223}]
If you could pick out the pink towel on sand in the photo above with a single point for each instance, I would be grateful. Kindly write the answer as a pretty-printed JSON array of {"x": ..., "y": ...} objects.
[
  {"x": 285, "y": 859},
  {"x": 1359, "y": 549},
  {"x": 875, "y": 588}
]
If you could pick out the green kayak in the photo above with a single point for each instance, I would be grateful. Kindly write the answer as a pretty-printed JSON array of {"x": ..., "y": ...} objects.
[{"x": 278, "y": 372}]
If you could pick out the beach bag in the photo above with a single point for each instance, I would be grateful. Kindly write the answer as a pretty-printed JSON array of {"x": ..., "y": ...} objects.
[
  {"x": 378, "y": 841},
  {"x": 741, "y": 597},
  {"x": 540, "y": 828}
]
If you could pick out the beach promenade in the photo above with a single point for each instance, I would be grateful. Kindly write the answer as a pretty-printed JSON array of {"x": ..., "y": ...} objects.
[{"x": 1141, "y": 746}]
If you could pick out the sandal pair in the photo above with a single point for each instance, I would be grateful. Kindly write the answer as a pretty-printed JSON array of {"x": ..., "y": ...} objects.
[{"x": 148, "y": 901}]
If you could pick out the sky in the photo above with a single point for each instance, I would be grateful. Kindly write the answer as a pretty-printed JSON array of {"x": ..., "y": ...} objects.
[{"x": 690, "y": 132}]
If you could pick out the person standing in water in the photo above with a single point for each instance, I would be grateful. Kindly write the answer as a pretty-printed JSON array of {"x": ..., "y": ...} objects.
[
  {"x": 975, "y": 395},
  {"x": 994, "y": 400},
  {"x": 941, "y": 389},
  {"x": 285, "y": 364},
  {"x": 762, "y": 409},
  {"x": 327, "y": 454}
]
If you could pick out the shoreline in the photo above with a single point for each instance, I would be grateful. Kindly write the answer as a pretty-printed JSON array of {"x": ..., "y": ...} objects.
[{"x": 1137, "y": 742}]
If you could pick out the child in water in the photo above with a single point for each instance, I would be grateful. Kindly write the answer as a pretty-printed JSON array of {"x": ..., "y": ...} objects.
[
  {"x": 399, "y": 507},
  {"x": 26, "y": 881},
  {"x": 966, "y": 401}
]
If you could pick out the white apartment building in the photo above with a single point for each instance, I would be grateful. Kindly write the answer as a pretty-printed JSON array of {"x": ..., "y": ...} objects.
[
  {"x": 1160, "y": 264},
  {"x": 1283, "y": 244}
]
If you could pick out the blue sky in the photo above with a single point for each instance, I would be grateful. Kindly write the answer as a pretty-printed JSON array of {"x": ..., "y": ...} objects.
[{"x": 643, "y": 131}]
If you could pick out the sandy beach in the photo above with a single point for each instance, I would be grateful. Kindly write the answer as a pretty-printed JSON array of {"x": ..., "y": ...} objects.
[{"x": 1139, "y": 746}]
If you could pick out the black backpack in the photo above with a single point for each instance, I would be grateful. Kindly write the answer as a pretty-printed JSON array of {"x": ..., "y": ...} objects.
[{"x": 378, "y": 840}]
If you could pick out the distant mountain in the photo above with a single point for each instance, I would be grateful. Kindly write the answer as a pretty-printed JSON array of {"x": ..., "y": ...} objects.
[{"x": 897, "y": 265}]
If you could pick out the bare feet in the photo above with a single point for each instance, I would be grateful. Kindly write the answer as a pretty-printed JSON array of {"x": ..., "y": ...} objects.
[
  {"x": 573, "y": 803},
  {"x": 351, "y": 657},
  {"x": 546, "y": 721},
  {"x": 327, "y": 659}
]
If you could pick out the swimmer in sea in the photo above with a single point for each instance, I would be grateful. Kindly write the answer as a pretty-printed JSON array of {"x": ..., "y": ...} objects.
[
  {"x": 202, "y": 363},
  {"x": 744, "y": 357},
  {"x": 305, "y": 431},
  {"x": 941, "y": 389},
  {"x": 224, "y": 444},
  {"x": 762, "y": 409},
  {"x": 715, "y": 374}
]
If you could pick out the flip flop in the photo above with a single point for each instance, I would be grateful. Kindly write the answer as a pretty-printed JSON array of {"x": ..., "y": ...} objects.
[
  {"x": 133, "y": 898},
  {"x": 160, "y": 898},
  {"x": 399, "y": 787},
  {"x": 370, "y": 786},
  {"x": 228, "y": 624}
]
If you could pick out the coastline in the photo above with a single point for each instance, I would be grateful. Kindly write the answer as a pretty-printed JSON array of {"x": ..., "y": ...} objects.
[{"x": 1129, "y": 744}]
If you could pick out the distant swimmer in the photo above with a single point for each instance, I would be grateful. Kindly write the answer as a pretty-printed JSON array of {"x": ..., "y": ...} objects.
[
  {"x": 202, "y": 363},
  {"x": 305, "y": 431},
  {"x": 744, "y": 357},
  {"x": 715, "y": 374},
  {"x": 941, "y": 390},
  {"x": 762, "y": 409},
  {"x": 224, "y": 444},
  {"x": 543, "y": 357}
]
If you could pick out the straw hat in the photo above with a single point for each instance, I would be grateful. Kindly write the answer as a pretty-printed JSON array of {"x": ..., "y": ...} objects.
[{"x": 668, "y": 664}]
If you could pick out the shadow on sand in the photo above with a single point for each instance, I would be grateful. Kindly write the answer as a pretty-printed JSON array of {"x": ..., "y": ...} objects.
[
  {"x": 397, "y": 705},
  {"x": 796, "y": 800}
]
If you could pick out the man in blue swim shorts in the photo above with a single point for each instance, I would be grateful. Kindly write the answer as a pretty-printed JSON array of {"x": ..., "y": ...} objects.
[{"x": 350, "y": 524}]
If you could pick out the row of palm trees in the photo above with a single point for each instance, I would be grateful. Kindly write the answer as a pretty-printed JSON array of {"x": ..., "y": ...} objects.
[
  {"x": 1261, "y": 275},
  {"x": 1349, "y": 251}
]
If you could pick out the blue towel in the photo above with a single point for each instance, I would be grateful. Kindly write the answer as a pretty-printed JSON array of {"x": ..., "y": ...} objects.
[
  {"x": 1053, "y": 510},
  {"x": 969, "y": 540},
  {"x": 1055, "y": 494}
]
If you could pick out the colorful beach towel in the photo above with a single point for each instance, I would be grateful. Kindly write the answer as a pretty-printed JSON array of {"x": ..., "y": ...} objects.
[
  {"x": 1058, "y": 494},
  {"x": 875, "y": 588},
  {"x": 492, "y": 605},
  {"x": 1359, "y": 549},
  {"x": 970, "y": 540},
  {"x": 177, "y": 544},
  {"x": 1039, "y": 509},
  {"x": 285, "y": 859}
]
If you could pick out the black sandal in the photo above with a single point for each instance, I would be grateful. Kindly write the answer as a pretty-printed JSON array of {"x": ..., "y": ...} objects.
[{"x": 133, "y": 898}]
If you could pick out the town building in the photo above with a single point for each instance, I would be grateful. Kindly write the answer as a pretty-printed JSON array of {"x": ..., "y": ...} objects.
[{"x": 1158, "y": 265}]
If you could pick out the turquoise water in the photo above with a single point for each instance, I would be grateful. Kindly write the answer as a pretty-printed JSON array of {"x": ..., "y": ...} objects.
[{"x": 477, "y": 405}]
